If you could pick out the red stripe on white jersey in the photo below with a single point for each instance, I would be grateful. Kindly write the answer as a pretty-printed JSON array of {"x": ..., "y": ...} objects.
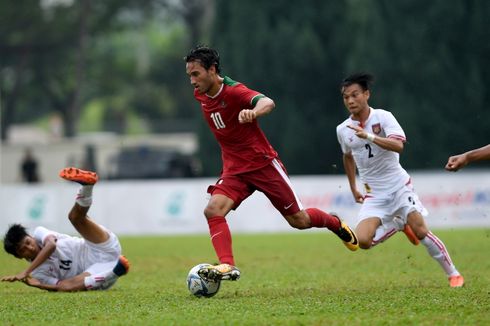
[{"x": 403, "y": 139}]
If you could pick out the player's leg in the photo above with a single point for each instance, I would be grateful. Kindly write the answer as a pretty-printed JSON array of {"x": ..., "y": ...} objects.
[
  {"x": 226, "y": 195},
  {"x": 102, "y": 276},
  {"x": 435, "y": 247},
  {"x": 73, "y": 284},
  {"x": 87, "y": 228},
  {"x": 314, "y": 217},
  {"x": 273, "y": 181},
  {"x": 367, "y": 229},
  {"x": 218, "y": 207}
]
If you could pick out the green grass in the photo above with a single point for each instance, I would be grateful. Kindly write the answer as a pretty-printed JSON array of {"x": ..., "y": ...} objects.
[{"x": 299, "y": 278}]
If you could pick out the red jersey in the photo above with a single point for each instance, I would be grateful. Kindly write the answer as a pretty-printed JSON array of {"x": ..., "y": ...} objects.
[{"x": 244, "y": 147}]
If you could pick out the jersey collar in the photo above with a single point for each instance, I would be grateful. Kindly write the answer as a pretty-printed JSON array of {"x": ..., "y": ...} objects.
[
  {"x": 219, "y": 92},
  {"x": 361, "y": 124}
]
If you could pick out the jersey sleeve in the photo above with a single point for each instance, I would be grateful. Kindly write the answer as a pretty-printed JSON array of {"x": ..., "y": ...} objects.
[
  {"x": 343, "y": 145},
  {"x": 392, "y": 128},
  {"x": 40, "y": 234},
  {"x": 247, "y": 97}
]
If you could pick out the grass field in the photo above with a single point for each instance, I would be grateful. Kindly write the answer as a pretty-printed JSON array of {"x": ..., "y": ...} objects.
[{"x": 299, "y": 278}]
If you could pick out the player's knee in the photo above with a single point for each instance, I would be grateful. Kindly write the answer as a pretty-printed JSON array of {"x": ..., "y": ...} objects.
[
  {"x": 365, "y": 244},
  {"x": 211, "y": 211},
  {"x": 298, "y": 222},
  {"x": 365, "y": 241}
]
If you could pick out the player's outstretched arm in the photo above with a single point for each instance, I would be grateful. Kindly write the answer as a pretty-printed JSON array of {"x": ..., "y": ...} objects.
[
  {"x": 457, "y": 162},
  {"x": 49, "y": 247}
]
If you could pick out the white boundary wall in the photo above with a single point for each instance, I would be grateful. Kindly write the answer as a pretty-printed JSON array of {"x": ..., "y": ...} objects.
[{"x": 176, "y": 206}]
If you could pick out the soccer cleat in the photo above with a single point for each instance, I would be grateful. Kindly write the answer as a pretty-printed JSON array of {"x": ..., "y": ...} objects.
[
  {"x": 346, "y": 234},
  {"x": 78, "y": 175},
  {"x": 122, "y": 266},
  {"x": 410, "y": 235},
  {"x": 402, "y": 226},
  {"x": 456, "y": 281},
  {"x": 219, "y": 272}
]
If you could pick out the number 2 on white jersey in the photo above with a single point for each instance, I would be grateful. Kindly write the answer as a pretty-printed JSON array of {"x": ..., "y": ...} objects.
[
  {"x": 370, "y": 150},
  {"x": 218, "y": 121}
]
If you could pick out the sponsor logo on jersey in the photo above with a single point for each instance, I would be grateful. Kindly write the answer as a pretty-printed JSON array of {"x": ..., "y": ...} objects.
[{"x": 376, "y": 128}]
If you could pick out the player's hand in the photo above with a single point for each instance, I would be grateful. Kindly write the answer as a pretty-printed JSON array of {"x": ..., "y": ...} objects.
[
  {"x": 358, "y": 196},
  {"x": 246, "y": 116},
  {"x": 454, "y": 163},
  {"x": 13, "y": 278},
  {"x": 359, "y": 131}
]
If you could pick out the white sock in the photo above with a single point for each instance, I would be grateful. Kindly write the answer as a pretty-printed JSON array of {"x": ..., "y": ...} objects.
[
  {"x": 84, "y": 197},
  {"x": 101, "y": 281},
  {"x": 438, "y": 251},
  {"x": 383, "y": 233}
]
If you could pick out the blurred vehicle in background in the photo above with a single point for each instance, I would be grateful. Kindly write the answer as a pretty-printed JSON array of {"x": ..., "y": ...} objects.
[{"x": 146, "y": 162}]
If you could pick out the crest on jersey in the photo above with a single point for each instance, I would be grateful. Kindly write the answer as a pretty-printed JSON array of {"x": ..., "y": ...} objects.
[
  {"x": 223, "y": 104},
  {"x": 376, "y": 128}
]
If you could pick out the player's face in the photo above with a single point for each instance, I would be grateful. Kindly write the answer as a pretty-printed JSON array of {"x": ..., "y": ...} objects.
[
  {"x": 28, "y": 248},
  {"x": 355, "y": 99},
  {"x": 201, "y": 79}
]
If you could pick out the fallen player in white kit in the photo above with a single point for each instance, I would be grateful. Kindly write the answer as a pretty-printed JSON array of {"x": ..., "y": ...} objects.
[{"x": 59, "y": 262}]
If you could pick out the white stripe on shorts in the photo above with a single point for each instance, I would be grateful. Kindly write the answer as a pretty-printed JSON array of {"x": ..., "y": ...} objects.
[{"x": 283, "y": 174}]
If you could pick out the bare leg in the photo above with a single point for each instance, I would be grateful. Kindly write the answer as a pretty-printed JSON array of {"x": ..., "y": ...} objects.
[
  {"x": 366, "y": 230},
  {"x": 87, "y": 228}
]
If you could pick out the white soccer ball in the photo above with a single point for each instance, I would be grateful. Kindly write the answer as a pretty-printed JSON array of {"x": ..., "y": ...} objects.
[{"x": 199, "y": 287}]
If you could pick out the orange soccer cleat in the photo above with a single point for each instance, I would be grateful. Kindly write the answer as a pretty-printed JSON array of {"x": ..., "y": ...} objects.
[
  {"x": 411, "y": 235},
  {"x": 78, "y": 175},
  {"x": 456, "y": 281},
  {"x": 122, "y": 266}
]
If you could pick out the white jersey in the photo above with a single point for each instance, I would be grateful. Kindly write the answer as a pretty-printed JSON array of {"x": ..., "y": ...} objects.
[
  {"x": 64, "y": 262},
  {"x": 379, "y": 169},
  {"x": 73, "y": 255}
]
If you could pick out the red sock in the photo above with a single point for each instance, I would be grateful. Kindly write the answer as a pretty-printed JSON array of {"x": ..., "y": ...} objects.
[
  {"x": 320, "y": 219},
  {"x": 221, "y": 239}
]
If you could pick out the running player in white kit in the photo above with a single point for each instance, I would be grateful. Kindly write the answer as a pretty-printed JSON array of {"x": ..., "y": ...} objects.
[
  {"x": 59, "y": 262},
  {"x": 371, "y": 140}
]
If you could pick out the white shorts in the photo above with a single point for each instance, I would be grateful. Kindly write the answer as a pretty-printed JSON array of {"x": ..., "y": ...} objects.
[
  {"x": 105, "y": 252},
  {"x": 387, "y": 206}
]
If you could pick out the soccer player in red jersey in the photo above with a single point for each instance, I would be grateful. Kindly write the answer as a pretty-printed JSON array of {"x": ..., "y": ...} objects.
[{"x": 249, "y": 161}]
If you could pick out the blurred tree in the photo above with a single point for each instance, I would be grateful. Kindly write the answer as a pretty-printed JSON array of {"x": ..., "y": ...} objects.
[
  {"x": 430, "y": 61},
  {"x": 293, "y": 54},
  {"x": 44, "y": 49},
  {"x": 124, "y": 54},
  {"x": 432, "y": 71}
]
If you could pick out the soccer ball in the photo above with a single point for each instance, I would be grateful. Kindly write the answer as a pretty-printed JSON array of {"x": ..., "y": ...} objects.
[{"x": 199, "y": 287}]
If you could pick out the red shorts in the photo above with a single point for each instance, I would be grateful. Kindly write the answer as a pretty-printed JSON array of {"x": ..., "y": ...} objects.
[{"x": 272, "y": 180}]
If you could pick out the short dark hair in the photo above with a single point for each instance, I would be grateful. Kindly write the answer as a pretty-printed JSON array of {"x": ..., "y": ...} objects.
[
  {"x": 205, "y": 55},
  {"x": 15, "y": 234},
  {"x": 364, "y": 80}
]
